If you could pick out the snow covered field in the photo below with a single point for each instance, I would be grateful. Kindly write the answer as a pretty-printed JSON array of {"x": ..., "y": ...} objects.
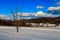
[{"x": 9, "y": 33}]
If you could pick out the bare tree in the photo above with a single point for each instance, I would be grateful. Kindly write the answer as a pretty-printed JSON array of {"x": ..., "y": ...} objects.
[{"x": 15, "y": 18}]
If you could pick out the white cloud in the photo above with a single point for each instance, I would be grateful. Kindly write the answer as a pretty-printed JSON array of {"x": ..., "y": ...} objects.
[
  {"x": 37, "y": 14},
  {"x": 40, "y": 7},
  {"x": 42, "y": 14},
  {"x": 58, "y": 3},
  {"x": 53, "y": 8},
  {"x": 4, "y": 17},
  {"x": 23, "y": 14}
]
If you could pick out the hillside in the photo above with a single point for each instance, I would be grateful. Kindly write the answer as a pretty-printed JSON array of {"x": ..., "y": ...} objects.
[{"x": 53, "y": 20}]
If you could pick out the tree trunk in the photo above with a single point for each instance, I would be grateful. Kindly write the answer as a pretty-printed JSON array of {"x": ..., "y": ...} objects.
[{"x": 17, "y": 29}]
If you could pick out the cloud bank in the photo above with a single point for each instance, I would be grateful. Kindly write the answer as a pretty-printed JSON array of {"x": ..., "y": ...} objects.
[
  {"x": 42, "y": 14},
  {"x": 37, "y": 14},
  {"x": 5, "y": 17},
  {"x": 53, "y": 8}
]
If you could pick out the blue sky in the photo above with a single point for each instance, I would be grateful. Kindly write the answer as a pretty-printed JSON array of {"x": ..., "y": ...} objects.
[{"x": 26, "y": 5}]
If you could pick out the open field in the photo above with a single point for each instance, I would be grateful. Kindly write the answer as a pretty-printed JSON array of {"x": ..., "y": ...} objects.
[{"x": 26, "y": 33}]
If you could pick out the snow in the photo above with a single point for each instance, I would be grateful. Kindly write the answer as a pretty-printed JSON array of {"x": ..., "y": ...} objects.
[{"x": 26, "y": 33}]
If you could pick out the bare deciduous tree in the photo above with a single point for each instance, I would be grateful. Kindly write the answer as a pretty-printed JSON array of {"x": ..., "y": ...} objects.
[{"x": 15, "y": 18}]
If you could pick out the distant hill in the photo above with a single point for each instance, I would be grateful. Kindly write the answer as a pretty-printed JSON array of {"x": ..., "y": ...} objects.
[
  {"x": 6, "y": 22},
  {"x": 23, "y": 22},
  {"x": 45, "y": 19}
]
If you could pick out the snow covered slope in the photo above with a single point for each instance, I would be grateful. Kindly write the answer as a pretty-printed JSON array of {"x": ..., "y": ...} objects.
[{"x": 9, "y": 33}]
